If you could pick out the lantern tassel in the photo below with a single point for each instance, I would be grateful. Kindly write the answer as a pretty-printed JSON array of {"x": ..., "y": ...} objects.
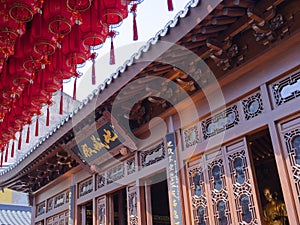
[
  {"x": 28, "y": 134},
  {"x": 93, "y": 57},
  {"x": 112, "y": 52},
  {"x": 74, "y": 89},
  {"x": 6, "y": 154},
  {"x": 170, "y": 5},
  {"x": 135, "y": 32},
  {"x": 48, "y": 117},
  {"x": 1, "y": 162},
  {"x": 61, "y": 102},
  {"x": 37, "y": 127},
  {"x": 20, "y": 141},
  {"x": 12, "y": 154}
]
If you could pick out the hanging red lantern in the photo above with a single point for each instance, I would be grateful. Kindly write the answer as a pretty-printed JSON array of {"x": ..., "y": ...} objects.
[
  {"x": 60, "y": 19},
  {"x": 73, "y": 48},
  {"x": 79, "y": 6},
  {"x": 23, "y": 10},
  {"x": 94, "y": 31},
  {"x": 58, "y": 66},
  {"x": 52, "y": 83},
  {"x": 20, "y": 77},
  {"x": 113, "y": 11},
  {"x": 45, "y": 42}
]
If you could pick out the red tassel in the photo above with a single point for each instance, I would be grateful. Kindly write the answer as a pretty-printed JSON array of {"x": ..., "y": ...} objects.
[
  {"x": 12, "y": 154},
  {"x": 133, "y": 11},
  {"x": 20, "y": 141},
  {"x": 75, "y": 87},
  {"x": 135, "y": 33},
  {"x": 170, "y": 5},
  {"x": 1, "y": 162},
  {"x": 61, "y": 102},
  {"x": 48, "y": 117},
  {"x": 28, "y": 134},
  {"x": 93, "y": 73},
  {"x": 6, "y": 154},
  {"x": 37, "y": 126},
  {"x": 112, "y": 53}
]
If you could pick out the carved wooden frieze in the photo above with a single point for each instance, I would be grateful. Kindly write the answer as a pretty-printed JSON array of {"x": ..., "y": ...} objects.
[
  {"x": 153, "y": 155},
  {"x": 220, "y": 122},
  {"x": 286, "y": 89}
]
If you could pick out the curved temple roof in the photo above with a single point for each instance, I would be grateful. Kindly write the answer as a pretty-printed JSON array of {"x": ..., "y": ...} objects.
[{"x": 15, "y": 214}]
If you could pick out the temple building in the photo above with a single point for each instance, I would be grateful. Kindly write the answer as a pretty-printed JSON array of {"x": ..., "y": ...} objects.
[{"x": 200, "y": 126}]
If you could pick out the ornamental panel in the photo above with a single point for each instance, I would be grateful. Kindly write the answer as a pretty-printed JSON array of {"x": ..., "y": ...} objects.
[
  {"x": 153, "y": 155},
  {"x": 220, "y": 122},
  {"x": 286, "y": 89},
  {"x": 191, "y": 136},
  {"x": 85, "y": 187},
  {"x": 252, "y": 106},
  {"x": 130, "y": 163},
  {"x": 100, "y": 180},
  {"x": 242, "y": 188},
  {"x": 115, "y": 173}
]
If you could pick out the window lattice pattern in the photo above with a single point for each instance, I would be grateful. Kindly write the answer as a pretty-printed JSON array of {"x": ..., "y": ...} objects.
[
  {"x": 292, "y": 140},
  {"x": 153, "y": 155},
  {"x": 252, "y": 106},
  {"x": 115, "y": 173},
  {"x": 130, "y": 166},
  {"x": 85, "y": 187},
  {"x": 242, "y": 188},
  {"x": 191, "y": 136},
  {"x": 101, "y": 210},
  {"x": 41, "y": 208},
  {"x": 132, "y": 202},
  {"x": 220, "y": 122},
  {"x": 101, "y": 181},
  {"x": 219, "y": 192},
  {"x": 60, "y": 219},
  {"x": 199, "y": 202},
  {"x": 286, "y": 89}
]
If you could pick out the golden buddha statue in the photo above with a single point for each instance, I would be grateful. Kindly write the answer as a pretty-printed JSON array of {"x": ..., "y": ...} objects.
[{"x": 274, "y": 212}]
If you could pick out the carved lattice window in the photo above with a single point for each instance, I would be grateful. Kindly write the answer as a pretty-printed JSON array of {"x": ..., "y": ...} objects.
[
  {"x": 219, "y": 192},
  {"x": 252, "y": 106},
  {"x": 199, "y": 201},
  {"x": 292, "y": 140},
  {"x": 132, "y": 205},
  {"x": 242, "y": 188},
  {"x": 101, "y": 210}
]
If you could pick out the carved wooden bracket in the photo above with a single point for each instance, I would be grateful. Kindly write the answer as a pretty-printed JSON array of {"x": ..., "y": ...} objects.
[
  {"x": 268, "y": 26},
  {"x": 226, "y": 55}
]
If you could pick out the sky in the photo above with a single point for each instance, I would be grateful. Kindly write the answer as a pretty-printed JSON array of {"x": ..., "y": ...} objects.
[{"x": 152, "y": 15}]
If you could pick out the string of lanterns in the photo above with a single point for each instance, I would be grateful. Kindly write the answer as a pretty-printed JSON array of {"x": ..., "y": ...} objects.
[{"x": 41, "y": 44}]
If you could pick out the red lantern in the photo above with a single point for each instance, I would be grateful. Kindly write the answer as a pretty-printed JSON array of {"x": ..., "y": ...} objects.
[
  {"x": 79, "y": 6},
  {"x": 20, "y": 77},
  {"x": 113, "y": 11},
  {"x": 58, "y": 64},
  {"x": 45, "y": 42},
  {"x": 60, "y": 19},
  {"x": 94, "y": 31},
  {"x": 73, "y": 48},
  {"x": 23, "y": 10}
]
